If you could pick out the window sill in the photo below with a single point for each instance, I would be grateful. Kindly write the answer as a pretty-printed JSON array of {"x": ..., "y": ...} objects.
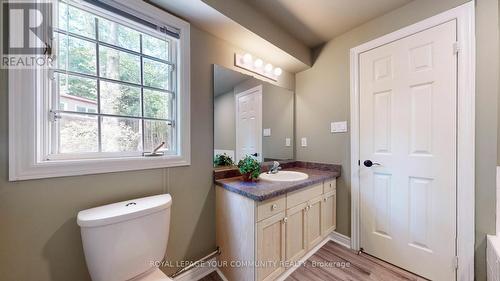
[{"x": 65, "y": 168}]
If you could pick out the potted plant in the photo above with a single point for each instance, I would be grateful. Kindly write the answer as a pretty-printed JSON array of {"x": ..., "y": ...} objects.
[
  {"x": 249, "y": 168},
  {"x": 223, "y": 160}
]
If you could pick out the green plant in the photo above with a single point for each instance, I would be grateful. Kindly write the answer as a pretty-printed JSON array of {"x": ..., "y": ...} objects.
[
  {"x": 249, "y": 168},
  {"x": 223, "y": 160}
]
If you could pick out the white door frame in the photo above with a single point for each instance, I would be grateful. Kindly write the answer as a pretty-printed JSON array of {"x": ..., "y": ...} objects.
[
  {"x": 464, "y": 15},
  {"x": 237, "y": 124}
]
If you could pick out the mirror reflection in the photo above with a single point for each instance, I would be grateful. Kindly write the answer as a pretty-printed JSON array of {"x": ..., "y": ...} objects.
[{"x": 251, "y": 117}]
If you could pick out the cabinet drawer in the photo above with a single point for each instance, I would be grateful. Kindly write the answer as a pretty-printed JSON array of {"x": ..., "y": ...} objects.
[
  {"x": 330, "y": 186},
  {"x": 302, "y": 195},
  {"x": 270, "y": 207}
]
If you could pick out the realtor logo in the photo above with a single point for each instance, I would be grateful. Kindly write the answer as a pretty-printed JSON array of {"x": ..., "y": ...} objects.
[{"x": 26, "y": 34}]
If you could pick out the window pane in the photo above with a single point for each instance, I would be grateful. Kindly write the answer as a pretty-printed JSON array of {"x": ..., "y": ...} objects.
[
  {"x": 154, "y": 47},
  {"x": 121, "y": 134},
  {"x": 120, "y": 99},
  {"x": 76, "y": 91},
  {"x": 62, "y": 15},
  {"x": 156, "y": 74},
  {"x": 77, "y": 133},
  {"x": 157, "y": 104},
  {"x": 76, "y": 55},
  {"x": 119, "y": 35},
  {"x": 81, "y": 22},
  {"x": 156, "y": 132},
  {"x": 119, "y": 65}
]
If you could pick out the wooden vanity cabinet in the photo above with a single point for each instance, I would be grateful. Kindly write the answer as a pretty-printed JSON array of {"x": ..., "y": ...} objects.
[
  {"x": 296, "y": 235},
  {"x": 328, "y": 213},
  {"x": 313, "y": 228},
  {"x": 272, "y": 233}
]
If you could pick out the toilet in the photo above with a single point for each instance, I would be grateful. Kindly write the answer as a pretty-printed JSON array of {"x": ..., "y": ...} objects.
[{"x": 126, "y": 240}]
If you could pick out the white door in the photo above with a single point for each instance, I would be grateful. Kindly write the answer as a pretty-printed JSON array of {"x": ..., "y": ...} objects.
[
  {"x": 408, "y": 101},
  {"x": 249, "y": 123}
]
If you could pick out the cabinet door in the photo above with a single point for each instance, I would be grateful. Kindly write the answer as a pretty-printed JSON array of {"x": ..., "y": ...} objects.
[
  {"x": 314, "y": 233},
  {"x": 328, "y": 213},
  {"x": 270, "y": 247},
  {"x": 296, "y": 236}
]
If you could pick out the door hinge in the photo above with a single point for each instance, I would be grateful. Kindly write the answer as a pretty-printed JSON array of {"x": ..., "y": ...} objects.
[
  {"x": 456, "y": 48},
  {"x": 455, "y": 262},
  {"x": 359, "y": 162}
]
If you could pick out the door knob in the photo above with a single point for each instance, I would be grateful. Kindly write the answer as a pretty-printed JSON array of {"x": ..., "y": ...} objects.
[{"x": 369, "y": 163}]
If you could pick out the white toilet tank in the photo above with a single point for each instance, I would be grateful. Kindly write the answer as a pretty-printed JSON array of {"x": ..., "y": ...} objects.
[{"x": 123, "y": 240}]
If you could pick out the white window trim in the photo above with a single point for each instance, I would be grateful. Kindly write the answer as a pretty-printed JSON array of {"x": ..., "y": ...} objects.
[
  {"x": 464, "y": 15},
  {"x": 25, "y": 161}
]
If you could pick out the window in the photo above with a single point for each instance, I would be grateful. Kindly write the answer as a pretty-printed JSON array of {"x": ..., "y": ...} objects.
[
  {"x": 121, "y": 81},
  {"x": 118, "y": 88}
]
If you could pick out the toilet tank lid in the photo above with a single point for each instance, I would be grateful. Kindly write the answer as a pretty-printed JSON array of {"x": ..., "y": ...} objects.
[{"x": 122, "y": 211}]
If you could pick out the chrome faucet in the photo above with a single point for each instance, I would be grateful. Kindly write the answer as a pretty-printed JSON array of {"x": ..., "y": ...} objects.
[{"x": 274, "y": 168}]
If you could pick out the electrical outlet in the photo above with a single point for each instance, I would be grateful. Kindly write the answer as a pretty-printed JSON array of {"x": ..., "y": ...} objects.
[
  {"x": 267, "y": 132},
  {"x": 288, "y": 142}
]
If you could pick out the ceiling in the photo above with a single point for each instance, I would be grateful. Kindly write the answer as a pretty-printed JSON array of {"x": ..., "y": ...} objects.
[
  {"x": 281, "y": 32},
  {"x": 225, "y": 79},
  {"x": 317, "y": 21},
  {"x": 222, "y": 26}
]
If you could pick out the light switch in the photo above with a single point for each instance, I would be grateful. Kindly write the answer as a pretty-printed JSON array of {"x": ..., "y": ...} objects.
[
  {"x": 338, "y": 127},
  {"x": 303, "y": 142},
  {"x": 267, "y": 132},
  {"x": 288, "y": 142}
]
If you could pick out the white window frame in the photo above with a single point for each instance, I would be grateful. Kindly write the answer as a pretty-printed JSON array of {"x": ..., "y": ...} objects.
[{"x": 28, "y": 115}]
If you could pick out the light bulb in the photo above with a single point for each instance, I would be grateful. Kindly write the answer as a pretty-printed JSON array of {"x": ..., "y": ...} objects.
[
  {"x": 258, "y": 63},
  {"x": 278, "y": 71},
  {"x": 268, "y": 68},
  {"x": 247, "y": 58}
]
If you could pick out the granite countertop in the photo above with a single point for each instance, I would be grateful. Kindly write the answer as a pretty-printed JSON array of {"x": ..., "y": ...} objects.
[{"x": 263, "y": 190}]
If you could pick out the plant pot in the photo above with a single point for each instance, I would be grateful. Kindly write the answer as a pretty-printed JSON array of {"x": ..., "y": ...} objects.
[{"x": 247, "y": 177}]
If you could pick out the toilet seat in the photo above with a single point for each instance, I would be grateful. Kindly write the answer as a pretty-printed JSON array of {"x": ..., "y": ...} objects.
[{"x": 155, "y": 275}]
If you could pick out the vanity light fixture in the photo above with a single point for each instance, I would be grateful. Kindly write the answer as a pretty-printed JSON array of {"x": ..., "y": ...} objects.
[
  {"x": 268, "y": 68},
  {"x": 257, "y": 65}
]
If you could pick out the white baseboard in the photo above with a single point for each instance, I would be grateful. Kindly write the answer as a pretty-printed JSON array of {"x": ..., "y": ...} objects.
[
  {"x": 221, "y": 275},
  {"x": 197, "y": 273},
  {"x": 341, "y": 239}
]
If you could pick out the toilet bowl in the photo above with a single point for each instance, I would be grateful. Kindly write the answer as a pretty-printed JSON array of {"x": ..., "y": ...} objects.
[{"x": 126, "y": 241}]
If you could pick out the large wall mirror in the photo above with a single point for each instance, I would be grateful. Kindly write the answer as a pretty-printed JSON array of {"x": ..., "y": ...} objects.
[{"x": 251, "y": 117}]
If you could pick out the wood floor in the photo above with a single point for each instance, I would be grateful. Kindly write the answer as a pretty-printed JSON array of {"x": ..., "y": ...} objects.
[
  {"x": 212, "y": 277},
  {"x": 337, "y": 263},
  {"x": 326, "y": 264}
]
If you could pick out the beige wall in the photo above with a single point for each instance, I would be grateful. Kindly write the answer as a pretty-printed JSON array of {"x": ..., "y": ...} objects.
[
  {"x": 225, "y": 122},
  {"x": 39, "y": 237},
  {"x": 322, "y": 95}
]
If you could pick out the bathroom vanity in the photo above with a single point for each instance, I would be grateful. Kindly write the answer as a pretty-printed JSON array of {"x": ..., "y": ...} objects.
[{"x": 264, "y": 227}]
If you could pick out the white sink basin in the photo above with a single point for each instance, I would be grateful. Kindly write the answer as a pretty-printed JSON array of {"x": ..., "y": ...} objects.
[{"x": 284, "y": 176}]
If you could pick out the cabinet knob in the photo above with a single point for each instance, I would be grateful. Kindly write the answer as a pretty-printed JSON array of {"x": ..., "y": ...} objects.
[
  {"x": 274, "y": 207},
  {"x": 285, "y": 220},
  {"x": 325, "y": 199}
]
